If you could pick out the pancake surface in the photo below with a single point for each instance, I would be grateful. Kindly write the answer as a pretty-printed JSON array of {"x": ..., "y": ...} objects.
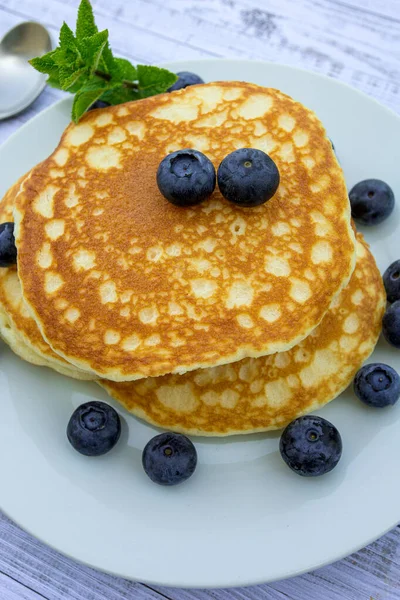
[
  {"x": 123, "y": 283},
  {"x": 258, "y": 394},
  {"x": 17, "y": 327}
]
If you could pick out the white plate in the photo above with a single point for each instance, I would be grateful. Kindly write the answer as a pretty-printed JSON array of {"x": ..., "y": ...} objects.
[{"x": 244, "y": 517}]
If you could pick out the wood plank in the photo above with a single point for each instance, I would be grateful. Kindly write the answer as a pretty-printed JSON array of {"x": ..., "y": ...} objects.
[
  {"x": 388, "y": 9},
  {"x": 284, "y": 23},
  {"x": 12, "y": 590},
  {"x": 281, "y": 33},
  {"x": 147, "y": 43}
]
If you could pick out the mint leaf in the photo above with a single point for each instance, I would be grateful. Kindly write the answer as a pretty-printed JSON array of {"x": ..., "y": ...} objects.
[
  {"x": 123, "y": 69},
  {"x": 107, "y": 59},
  {"x": 72, "y": 82},
  {"x": 45, "y": 63},
  {"x": 53, "y": 81},
  {"x": 119, "y": 94},
  {"x": 67, "y": 40},
  {"x": 96, "y": 57},
  {"x": 60, "y": 58},
  {"x": 154, "y": 80},
  {"x": 85, "y": 25},
  {"x": 85, "y": 98},
  {"x": 68, "y": 56},
  {"x": 83, "y": 64},
  {"x": 92, "y": 49}
]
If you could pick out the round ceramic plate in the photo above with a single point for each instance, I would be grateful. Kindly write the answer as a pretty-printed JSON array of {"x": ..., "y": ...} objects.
[{"x": 244, "y": 517}]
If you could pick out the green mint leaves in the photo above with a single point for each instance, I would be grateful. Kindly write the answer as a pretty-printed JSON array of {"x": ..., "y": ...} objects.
[
  {"x": 85, "y": 25},
  {"x": 83, "y": 64}
]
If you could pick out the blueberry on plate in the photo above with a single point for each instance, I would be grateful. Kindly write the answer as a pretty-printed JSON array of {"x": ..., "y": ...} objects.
[
  {"x": 377, "y": 385},
  {"x": 372, "y": 201},
  {"x": 248, "y": 177},
  {"x": 391, "y": 281},
  {"x": 185, "y": 78},
  {"x": 391, "y": 324},
  {"x": 186, "y": 177},
  {"x": 99, "y": 104},
  {"x": 311, "y": 446},
  {"x": 8, "y": 249},
  {"x": 94, "y": 428},
  {"x": 169, "y": 458}
]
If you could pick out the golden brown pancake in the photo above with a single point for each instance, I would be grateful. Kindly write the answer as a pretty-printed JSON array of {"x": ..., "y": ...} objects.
[
  {"x": 259, "y": 394},
  {"x": 126, "y": 285},
  {"x": 17, "y": 327}
]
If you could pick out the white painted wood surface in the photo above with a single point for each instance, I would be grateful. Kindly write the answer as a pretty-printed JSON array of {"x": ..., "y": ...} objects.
[{"x": 356, "y": 41}]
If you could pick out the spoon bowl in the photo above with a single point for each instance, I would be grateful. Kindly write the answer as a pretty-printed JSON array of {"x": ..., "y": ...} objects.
[{"x": 20, "y": 84}]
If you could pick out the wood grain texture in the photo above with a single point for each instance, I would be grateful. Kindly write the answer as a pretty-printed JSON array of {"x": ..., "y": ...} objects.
[
  {"x": 356, "y": 41},
  {"x": 13, "y": 590}
]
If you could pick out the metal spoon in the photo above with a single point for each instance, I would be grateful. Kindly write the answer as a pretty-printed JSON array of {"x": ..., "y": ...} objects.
[{"x": 20, "y": 84}]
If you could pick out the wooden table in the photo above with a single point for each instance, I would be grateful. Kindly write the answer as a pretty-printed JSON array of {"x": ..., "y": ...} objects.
[{"x": 357, "y": 41}]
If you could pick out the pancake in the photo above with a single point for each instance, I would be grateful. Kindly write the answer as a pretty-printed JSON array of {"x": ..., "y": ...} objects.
[
  {"x": 16, "y": 342},
  {"x": 124, "y": 284},
  {"x": 260, "y": 394},
  {"x": 17, "y": 327}
]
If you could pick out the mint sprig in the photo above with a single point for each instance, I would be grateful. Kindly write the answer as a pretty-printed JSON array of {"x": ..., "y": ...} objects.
[{"x": 83, "y": 64}]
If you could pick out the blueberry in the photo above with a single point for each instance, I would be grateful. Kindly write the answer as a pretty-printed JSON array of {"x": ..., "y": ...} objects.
[
  {"x": 248, "y": 177},
  {"x": 391, "y": 280},
  {"x": 8, "y": 249},
  {"x": 185, "y": 78},
  {"x": 94, "y": 428},
  {"x": 99, "y": 104},
  {"x": 391, "y": 324},
  {"x": 377, "y": 385},
  {"x": 372, "y": 201},
  {"x": 186, "y": 177},
  {"x": 311, "y": 446},
  {"x": 169, "y": 458}
]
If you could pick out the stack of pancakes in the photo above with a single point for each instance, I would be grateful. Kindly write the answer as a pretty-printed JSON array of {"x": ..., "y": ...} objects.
[{"x": 212, "y": 319}]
